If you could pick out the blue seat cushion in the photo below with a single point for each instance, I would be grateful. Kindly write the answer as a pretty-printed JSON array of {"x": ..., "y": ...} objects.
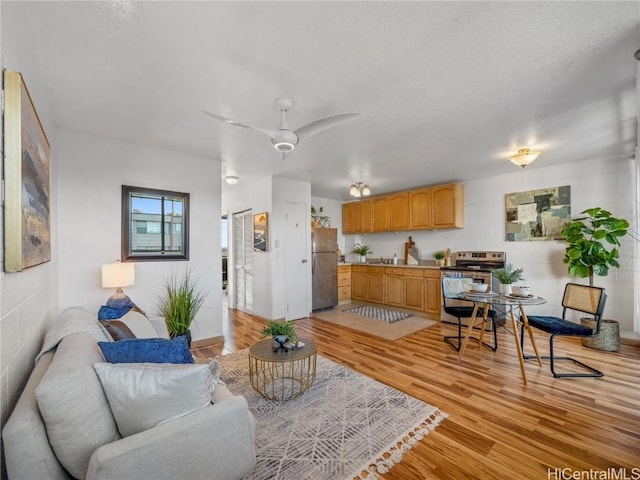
[
  {"x": 147, "y": 350},
  {"x": 558, "y": 325},
  {"x": 465, "y": 312}
]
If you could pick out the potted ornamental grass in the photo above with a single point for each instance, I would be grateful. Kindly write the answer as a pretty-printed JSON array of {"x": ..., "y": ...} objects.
[
  {"x": 283, "y": 334},
  {"x": 439, "y": 257},
  {"x": 362, "y": 251},
  {"x": 180, "y": 304}
]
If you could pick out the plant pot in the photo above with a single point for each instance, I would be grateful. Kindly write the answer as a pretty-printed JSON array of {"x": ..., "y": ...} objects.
[
  {"x": 363, "y": 259},
  {"x": 278, "y": 343},
  {"x": 315, "y": 224},
  {"x": 505, "y": 288},
  {"x": 609, "y": 338},
  {"x": 186, "y": 334},
  {"x": 439, "y": 262}
]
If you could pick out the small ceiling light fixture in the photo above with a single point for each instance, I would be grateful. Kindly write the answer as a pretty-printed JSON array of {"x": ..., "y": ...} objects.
[
  {"x": 359, "y": 189},
  {"x": 231, "y": 179},
  {"x": 524, "y": 157}
]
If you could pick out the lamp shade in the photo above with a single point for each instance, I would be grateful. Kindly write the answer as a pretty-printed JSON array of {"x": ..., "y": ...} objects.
[
  {"x": 524, "y": 157},
  {"x": 116, "y": 275}
]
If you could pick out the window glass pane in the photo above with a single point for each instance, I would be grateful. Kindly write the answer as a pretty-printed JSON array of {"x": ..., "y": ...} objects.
[{"x": 155, "y": 224}]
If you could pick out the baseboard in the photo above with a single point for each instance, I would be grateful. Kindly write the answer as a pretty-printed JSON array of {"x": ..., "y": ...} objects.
[{"x": 206, "y": 342}]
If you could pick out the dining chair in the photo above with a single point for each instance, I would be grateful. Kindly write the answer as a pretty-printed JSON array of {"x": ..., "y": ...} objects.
[
  {"x": 580, "y": 298},
  {"x": 453, "y": 305}
]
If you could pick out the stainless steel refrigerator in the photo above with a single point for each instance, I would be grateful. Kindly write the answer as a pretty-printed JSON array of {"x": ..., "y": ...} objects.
[{"x": 324, "y": 267}]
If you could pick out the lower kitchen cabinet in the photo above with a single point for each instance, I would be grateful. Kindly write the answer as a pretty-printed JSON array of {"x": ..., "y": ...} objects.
[
  {"x": 432, "y": 291},
  {"x": 359, "y": 283},
  {"x": 413, "y": 292},
  {"x": 376, "y": 285},
  {"x": 344, "y": 283},
  {"x": 394, "y": 295}
]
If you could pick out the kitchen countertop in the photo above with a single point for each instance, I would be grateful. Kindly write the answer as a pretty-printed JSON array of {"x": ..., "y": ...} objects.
[{"x": 424, "y": 267}]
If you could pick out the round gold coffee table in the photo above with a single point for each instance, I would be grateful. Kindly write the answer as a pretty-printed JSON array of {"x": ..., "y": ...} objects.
[{"x": 281, "y": 375}]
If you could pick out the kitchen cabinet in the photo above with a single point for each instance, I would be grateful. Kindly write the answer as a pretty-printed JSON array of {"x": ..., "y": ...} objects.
[
  {"x": 448, "y": 206},
  {"x": 394, "y": 287},
  {"x": 380, "y": 214},
  {"x": 413, "y": 289},
  {"x": 344, "y": 283},
  {"x": 376, "y": 285},
  {"x": 359, "y": 283},
  {"x": 432, "y": 291},
  {"x": 426, "y": 208},
  {"x": 421, "y": 208}
]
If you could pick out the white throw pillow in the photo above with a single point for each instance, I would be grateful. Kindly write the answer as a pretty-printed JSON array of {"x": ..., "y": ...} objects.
[
  {"x": 143, "y": 395},
  {"x": 139, "y": 324}
]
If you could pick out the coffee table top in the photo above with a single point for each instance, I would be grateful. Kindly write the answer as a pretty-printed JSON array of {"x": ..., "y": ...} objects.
[{"x": 263, "y": 350}]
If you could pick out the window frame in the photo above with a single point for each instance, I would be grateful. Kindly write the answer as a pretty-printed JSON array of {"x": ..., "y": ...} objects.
[{"x": 164, "y": 255}]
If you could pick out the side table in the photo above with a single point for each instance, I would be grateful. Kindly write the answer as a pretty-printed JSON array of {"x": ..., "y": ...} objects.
[{"x": 281, "y": 375}]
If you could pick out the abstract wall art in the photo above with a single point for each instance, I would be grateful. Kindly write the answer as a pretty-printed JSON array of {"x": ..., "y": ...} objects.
[{"x": 537, "y": 214}]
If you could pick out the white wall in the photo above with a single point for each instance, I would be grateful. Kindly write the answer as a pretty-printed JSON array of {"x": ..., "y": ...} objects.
[
  {"x": 92, "y": 171},
  {"x": 28, "y": 299},
  {"x": 604, "y": 183}
]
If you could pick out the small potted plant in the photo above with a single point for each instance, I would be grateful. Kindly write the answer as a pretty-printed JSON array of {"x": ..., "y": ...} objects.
[
  {"x": 319, "y": 220},
  {"x": 283, "y": 334},
  {"x": 507, "y": 276},
  {"x": 439, "y": 257},
  {"x": 180, "y": 304},
  {"x": 362, "y": 251}
]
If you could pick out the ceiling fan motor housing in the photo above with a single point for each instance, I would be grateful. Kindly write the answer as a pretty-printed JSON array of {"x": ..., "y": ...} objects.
[{"x": 284, "y": 140}]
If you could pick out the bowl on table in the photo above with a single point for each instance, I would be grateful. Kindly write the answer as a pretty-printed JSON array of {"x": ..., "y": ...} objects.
[
  {"x": 479, "y": 287},
  {"x": 521, "y": 291}
]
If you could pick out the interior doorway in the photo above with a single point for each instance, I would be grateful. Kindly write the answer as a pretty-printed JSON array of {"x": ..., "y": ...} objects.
[
  {"x": 242, "y": 256},
  {"x": 297, "y": 271}
]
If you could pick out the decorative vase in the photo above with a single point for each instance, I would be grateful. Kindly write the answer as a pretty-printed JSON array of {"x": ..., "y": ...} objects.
[
  {"x": 279, "y": 342},
  {"x": 315, "y": 224},
  {"x": 505, "y": 288},
  {"x": 363, "y": 259}
]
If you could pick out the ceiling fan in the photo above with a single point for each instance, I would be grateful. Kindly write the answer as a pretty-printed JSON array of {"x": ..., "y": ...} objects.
[{"x": 285, "y": 140}]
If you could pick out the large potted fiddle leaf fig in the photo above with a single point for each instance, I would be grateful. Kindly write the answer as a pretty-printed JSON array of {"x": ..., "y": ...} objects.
[
  {"x": 593, "y": 240},
  {"x": 593, "y": 249}
]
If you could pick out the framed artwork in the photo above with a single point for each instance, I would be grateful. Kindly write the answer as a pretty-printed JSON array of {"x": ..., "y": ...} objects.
[
  {"x": 537, "y": 214},
  {"x": 27, "y": 230},
  {"x": 260, "y": 232}
]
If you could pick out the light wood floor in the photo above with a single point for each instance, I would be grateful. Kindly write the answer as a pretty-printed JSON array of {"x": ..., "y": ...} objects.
[{"x": 497, "y": 427}]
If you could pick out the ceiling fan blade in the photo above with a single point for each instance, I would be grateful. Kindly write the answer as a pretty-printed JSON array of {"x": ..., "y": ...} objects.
[
  {"x": 269, "y": 133},
  {"x": 324, "y": 123}
]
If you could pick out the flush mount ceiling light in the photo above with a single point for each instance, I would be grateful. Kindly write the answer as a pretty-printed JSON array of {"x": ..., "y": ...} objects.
[
  {"x": 359, "y": 189},
  {"x": 231, "y": 179},
  {"x": 524, "y": 157}
]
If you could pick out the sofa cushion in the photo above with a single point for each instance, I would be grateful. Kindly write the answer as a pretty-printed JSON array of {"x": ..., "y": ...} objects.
[
  {"x": 117, "y": 329},
  {"x": 139, "y": 324},
  {"x": 73, "y": 405},
  {"x": 147, "y": 350},
  {"x": 144, "y": 395}
]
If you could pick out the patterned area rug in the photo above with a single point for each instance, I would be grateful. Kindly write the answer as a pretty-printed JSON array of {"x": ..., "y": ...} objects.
[
  {"x": 345, "y": 426},
  {"x": 389, "y": 316}
]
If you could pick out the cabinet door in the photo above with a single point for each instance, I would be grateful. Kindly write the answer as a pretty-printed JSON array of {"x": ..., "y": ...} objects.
[
  {"x": 381, "y": 214},
  {"x": 394, "y": 291},
  {"x": 347, "y": 218},
  {"x": 367, "y": 215},
  {"x": 359, "y": 286},
  {"x": 376, "y": 288},
  {"x": 432, "y": 295},
  {"x": 356, "y": 217},
  {"x": 399, "y": 211},
  {"x": 448, "y": 203},
  {"x": 413, "y": 293},
  {"x": 421, "y": 208}
]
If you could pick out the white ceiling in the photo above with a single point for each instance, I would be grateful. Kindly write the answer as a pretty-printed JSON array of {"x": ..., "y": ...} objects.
[{"x": 448, "y": 89}]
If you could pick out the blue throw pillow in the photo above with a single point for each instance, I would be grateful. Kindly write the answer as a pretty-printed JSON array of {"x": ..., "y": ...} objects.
[
  {"x": 149, "y": 350},
  {"x": 112, "y": 313}
]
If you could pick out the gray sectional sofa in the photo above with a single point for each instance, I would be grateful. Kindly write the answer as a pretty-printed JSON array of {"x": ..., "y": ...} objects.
[{"x": 62, "y": 426}]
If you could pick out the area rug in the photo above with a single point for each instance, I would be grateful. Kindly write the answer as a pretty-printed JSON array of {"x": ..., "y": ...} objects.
[
  {"x": 384, "y": 314},
  {"x": 345, "y": 426},
  {"x": 371, "y": 326}
]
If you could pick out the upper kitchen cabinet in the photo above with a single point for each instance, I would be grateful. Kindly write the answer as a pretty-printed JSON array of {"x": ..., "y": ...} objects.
[
  {"x": 380, "y": 214},
  {"x": 448, "y": 206},
  {"x": 427, "y": 208},
  {"x": 399, "y": 211}
]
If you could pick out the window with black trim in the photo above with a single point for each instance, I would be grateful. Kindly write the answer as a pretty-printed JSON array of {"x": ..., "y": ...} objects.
[{"x": 155, "y": 224}]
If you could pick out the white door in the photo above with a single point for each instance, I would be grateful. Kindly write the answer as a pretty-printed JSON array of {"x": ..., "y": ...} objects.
[
  {"x": 243, "y": 260},
  {"x": 297, "y": 272}
]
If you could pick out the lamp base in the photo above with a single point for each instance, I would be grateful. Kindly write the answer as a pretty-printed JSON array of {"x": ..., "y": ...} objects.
[{"x": 119, "y": 300}]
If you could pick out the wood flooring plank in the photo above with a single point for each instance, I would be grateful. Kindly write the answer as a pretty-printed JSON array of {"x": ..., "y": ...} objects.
[{"x": 497, "y": 427}]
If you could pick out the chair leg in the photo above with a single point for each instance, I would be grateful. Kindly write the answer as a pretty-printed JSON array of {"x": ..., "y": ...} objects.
[
  {"x": 552, "y": 359},
  {"x": 449, "y": 339},
  {"x": 456, "y": 345}
]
